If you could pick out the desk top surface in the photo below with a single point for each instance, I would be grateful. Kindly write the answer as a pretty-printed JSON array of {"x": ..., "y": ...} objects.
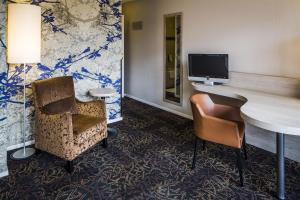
[{"x": 271, "y": 112}]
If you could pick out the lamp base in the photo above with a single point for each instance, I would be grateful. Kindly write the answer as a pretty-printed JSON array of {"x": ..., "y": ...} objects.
[{"x": 23, "y": 153}]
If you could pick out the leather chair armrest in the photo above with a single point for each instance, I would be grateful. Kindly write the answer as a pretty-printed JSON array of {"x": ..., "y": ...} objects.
[
  {"x": 220, "y": 131},
  {"x": 96, "y": 108}
]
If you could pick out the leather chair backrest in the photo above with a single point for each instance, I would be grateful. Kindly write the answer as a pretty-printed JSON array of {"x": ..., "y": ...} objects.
[{"x": 202, "y": 106}]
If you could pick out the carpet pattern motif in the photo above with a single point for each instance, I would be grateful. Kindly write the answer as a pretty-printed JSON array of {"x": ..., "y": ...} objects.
[{"x": 149, "y": 159}]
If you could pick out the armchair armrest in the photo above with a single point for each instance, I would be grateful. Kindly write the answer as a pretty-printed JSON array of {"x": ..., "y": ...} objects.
[
  {"x": 220, "y": 131},
  {"x": 96, "y": 108},
  {"x": 55, "y": 133}
]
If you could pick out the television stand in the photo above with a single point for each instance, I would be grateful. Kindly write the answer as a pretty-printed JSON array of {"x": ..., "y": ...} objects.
[{"x": 210, "y": 83}]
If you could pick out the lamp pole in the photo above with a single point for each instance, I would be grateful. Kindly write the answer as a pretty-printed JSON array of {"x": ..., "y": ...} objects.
[
  {"x": 23, "y": 46},
  {"x": 24, "y": 152},
  {"x": 24, "y": 110}
]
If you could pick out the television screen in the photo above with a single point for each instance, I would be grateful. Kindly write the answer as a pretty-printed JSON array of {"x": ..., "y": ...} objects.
[{"x": 208, "y": 65}]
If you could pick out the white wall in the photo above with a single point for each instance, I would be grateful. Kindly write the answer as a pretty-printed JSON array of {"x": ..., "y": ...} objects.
[{"x": 261, "y": 36}]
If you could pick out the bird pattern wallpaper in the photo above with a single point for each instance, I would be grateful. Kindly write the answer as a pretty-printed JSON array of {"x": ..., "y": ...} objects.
[
  {"x": 81, "y": 38},
  {"x": 3, "y": 76}
]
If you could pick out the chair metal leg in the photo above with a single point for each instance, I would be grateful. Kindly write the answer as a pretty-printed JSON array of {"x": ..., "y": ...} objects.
[
  {"x": 203, "y": 144},
  {"x": 104, "y": 143},
  {"x": 245, "y": 148},
  {"x": 195, "y": 152},
  {"x": 240, "y": 166},
  {"x": 69, "y": 166}
]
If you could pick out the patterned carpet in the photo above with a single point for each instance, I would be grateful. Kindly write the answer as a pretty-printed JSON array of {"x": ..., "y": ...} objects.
[{"x": 149, "y": 159}]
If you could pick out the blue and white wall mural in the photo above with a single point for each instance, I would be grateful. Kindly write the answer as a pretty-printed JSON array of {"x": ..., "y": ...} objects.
[
  {"x": 3, "y": 77},
  {"x": 81, "y": 38}
]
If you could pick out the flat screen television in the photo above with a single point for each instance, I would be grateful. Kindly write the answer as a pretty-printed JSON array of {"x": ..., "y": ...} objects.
[{"x": 208, "y": 68}]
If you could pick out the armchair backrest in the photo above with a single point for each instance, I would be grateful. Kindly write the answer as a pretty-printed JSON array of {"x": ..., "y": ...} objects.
[
  {"x": 202, "y": 108},
  {"x": 211, "y": 127},
  {"x": 54, "y": 95}
]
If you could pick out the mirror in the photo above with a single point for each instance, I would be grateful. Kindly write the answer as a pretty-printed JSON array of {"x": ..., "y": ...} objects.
[{"x": 172, "y": 58}]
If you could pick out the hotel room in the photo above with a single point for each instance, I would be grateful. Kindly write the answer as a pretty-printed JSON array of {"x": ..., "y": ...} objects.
[{"x": 149, "y": 99}]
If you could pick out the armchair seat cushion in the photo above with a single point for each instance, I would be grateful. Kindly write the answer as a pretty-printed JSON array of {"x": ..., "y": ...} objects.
[{"x": 85, "y": 127}]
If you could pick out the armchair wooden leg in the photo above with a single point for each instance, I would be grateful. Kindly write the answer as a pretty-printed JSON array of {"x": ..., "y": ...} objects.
[
  {"x": 104, "y": 143},
  {"x": 203, "y": 144},
  {"x": 245, "y": 148},
  {"x": 69, "y": 166},
  {"x": 195, "y": 152},
  {"x": 38, "y": 151},
  {"x": 240, "y": 166}
]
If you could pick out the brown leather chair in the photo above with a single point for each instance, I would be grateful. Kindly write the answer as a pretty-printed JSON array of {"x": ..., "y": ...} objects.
[
  {"x": 66, "y": 127},
  {"x": 219, "y": 124}
]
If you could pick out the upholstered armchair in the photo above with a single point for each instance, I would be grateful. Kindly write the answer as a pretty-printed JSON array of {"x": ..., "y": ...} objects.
[{"x": 66, "y": 127}]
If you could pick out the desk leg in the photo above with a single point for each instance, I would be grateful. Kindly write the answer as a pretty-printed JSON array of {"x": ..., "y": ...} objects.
[{"x": 280, "y": 166}]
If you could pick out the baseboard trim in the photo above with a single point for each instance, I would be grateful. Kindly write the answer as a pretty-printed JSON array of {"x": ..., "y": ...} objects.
[
  {"x": 3, "y": 174},
  {"x": 114, "y": 120},
  {"x": 160, "y": 107},
  {"x": 17, "y": 146}
]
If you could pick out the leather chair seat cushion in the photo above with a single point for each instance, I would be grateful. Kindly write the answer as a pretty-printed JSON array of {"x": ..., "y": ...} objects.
[
  {"x": 60, "y": 106},
  {"x": 85, "y": 127}
]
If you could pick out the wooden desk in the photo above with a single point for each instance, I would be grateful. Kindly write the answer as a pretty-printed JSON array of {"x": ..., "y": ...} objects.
[{"x": 271, "y": 112}]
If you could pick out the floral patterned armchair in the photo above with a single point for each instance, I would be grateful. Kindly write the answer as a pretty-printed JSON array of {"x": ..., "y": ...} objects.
[{"x": 66, "y": 127}]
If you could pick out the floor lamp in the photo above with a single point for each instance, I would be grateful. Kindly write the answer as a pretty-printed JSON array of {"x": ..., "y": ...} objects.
[{"x": 23, "y": 46}]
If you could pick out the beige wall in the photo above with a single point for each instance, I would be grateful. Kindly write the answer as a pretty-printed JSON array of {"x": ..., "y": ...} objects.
[{"x": 260, "y": 36}]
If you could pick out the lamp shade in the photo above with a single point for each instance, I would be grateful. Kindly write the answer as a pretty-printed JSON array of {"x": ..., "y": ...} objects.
[{"x": 23, "y": 33}]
